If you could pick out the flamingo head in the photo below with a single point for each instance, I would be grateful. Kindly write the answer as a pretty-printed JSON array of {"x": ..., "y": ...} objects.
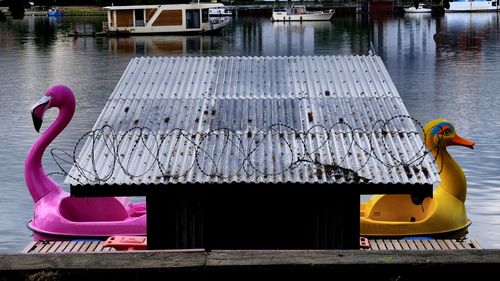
[
  {"x": 59, "y": 96},
  {"x": 440, "y": 133}
]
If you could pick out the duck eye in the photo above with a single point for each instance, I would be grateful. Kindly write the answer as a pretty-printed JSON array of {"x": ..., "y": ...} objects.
[{"x": 447, "y": 131}]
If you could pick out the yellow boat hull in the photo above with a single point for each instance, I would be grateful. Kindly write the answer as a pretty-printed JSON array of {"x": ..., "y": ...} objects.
[{"x": 396, "y": 215}]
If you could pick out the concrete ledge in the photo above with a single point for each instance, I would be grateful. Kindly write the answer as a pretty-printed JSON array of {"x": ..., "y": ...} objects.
[{"x": 144, "y": 265}]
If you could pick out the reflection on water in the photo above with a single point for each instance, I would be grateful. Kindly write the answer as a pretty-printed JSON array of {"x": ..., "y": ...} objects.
[
  {"x": 464, "y": 31},
  {"x": 289, "y": 38},
  {"x": 444, "y": 66},
  {"x": 144, "y": 45}
]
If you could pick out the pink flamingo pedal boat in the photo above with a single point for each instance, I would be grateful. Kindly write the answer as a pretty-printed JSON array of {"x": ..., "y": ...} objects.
[{"x": 57, "y": 215}]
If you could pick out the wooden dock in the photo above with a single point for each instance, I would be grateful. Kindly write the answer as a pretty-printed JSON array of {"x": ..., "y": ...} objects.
[
  {"x": 438, "y": 244},
  {"x": 385, "y": 259},
  {"x": 375, "y": 244}
]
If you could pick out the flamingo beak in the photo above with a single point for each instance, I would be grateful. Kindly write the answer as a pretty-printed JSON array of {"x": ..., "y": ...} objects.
[
  {"x": 458, "y": 140},
  {"x": 37, "y": 111}
]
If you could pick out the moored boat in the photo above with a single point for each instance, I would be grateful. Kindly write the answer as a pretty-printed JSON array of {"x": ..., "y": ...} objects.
[
  {"x": 461, "y": 6},
  {"x": 57, "y": 215},
  {"x": 300, "y": 13},
  {"x": 171, "y": 18},
  {"x": 443, "y": 214},
  {"x": 421, "y": 8}
]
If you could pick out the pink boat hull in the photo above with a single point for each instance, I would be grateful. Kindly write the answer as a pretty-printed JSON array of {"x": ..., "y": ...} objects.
[{"x": 61, "y": 217}]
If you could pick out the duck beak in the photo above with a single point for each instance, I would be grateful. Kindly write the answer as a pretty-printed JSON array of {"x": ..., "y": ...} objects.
[
  {"x": 458, "y": 140},
  {"x": 37, "y": 111}
]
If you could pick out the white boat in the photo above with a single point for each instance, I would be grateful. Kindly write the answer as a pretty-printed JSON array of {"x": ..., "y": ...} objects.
[
  {"x": 420, "y": 9},
  {"x": 219, "y": 12},
  {"x": 299, "y": 13},
  {"x": 171, "y": 18},
  {"x": 472, "y": 6}
]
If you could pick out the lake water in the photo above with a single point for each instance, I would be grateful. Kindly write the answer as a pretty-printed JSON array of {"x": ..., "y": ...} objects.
[{"x": 445, "y": 66}]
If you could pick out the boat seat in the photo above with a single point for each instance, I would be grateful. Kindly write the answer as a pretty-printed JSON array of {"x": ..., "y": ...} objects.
[
  {"x": 93, "y": 209},
  {"x": 399, "y": 208}
]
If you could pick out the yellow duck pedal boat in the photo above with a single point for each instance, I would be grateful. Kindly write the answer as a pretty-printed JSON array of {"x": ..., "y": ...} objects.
[{"x": 444, "y": 213}]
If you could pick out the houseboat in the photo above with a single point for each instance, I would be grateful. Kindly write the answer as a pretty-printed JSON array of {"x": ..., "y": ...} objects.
[
  {"x": 467, "y": 6},
  {"x": 171, "y": 18},
  {"x": 300, "y": 13}
]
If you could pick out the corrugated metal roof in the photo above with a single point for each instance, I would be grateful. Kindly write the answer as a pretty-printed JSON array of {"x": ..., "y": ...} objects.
[{"x": 322, "y": 119}]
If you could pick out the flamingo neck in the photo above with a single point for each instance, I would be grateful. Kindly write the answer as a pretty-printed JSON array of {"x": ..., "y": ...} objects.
[
  {"x": 39, "y": 184},
  {"x": 452, "y": 177}
]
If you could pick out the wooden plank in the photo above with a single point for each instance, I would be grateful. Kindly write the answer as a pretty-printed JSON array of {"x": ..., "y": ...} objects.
[
  {"x": 77, "y": 247},
  {"x": 396, "y": 244},
  {"x": 45, "y": 245},
  {"x": 419, "y": 244},
  {"x": 37, "y": 248},
  {"x": 457, "y": 244},
  {"x": 404, "y": 244},
  {"x": 466, "y": 244},
  {"x": 92, "y": 246},
  {"x": 88, "y": 247},
  {"x": 99, "y": 247},
  {"x": 475, "y": 244},
  {"x": 63, "y": 246},
  {"x": 245, "y": 261},
  {"x": 85, "y": 246},
  {"x": 435, "y": 244},
  {"x": 443, "y": 245},
  {"x": 450, "y": 244},
  {"x": 388, "y": 244},
  {"x": 412, "y": 245},
  {"x": 440, "y": 244},
  {"x": 29, "y": 247},
  {"x": 70, "y": 247},
  {"x": 375, "y": 244},
  {"x": 427, "y": 245},
  {"x": 381, "y": 244},
  {"x": 54, "y": 247}
]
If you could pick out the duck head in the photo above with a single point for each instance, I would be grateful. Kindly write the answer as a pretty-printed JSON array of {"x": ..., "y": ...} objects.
[
  {"x": 440, "y": 133},
  {"x": 59, "y": 96}
]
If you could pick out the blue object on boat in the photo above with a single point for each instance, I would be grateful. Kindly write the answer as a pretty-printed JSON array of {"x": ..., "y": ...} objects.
[
  {"x": 55, "y": 13},
  {"x": 418, "y": 238}
]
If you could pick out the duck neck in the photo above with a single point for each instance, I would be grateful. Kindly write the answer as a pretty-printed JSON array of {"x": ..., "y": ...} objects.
[
  {"x": 39, "y": 184},
  {"x": 452, "y": 177}
]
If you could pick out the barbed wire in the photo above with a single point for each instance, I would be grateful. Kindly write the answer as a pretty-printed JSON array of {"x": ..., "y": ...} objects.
[{"x": 124, "y": 149}]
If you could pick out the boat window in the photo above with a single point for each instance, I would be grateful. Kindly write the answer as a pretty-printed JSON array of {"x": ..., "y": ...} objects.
[
  {"x": 204, "y": 15},
  {"x": 193, "y": 18},
  {"x": 139, "y": 17}
]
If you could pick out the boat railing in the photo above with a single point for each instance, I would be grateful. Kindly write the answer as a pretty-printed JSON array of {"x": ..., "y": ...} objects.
[{"x": 105, "y": 26}]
